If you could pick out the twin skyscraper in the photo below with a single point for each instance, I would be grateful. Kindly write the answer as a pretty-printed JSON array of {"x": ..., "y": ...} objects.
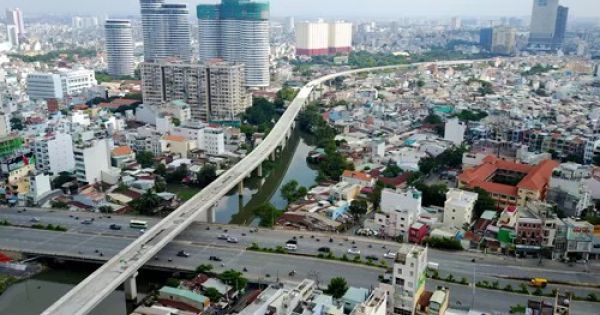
[{"x": 236, "y": 31}]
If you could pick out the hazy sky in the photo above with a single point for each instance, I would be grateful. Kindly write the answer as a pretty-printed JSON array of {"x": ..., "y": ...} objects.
[{"x": 325, "y": 8}]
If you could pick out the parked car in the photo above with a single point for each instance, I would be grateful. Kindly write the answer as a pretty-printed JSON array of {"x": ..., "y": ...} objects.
[
  {"x": 115, "y": 227},
  {"x": 372, "y": 258},
  {"x": 354, "y": 251},
  {"x": 182, "y": 253},
  {"x": 214, "y": 258},
  {"x": 232, "y": 239},
  {"x": 223, "y": 237},
  {"x": 86, "y": 222},
  {"x": 35, "y": 219}
]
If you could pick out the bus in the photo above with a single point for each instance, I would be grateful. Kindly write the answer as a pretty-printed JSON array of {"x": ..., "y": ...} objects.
[{"x": 138, "y": 224}]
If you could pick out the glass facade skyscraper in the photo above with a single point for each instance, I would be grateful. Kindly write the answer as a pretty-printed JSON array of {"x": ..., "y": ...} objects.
[
  {"x": 166, "y": 31},
  {"x": 237, "y": 31},
  {"x": 548, "y": 25}
]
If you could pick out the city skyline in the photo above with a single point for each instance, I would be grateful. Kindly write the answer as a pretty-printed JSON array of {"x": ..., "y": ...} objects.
[{"x": 333, "y": 8}]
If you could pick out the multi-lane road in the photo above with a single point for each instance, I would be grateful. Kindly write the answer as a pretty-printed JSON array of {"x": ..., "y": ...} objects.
[{"x": 201, "y": 241}]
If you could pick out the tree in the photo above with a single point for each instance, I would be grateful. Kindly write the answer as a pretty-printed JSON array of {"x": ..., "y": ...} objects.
[
  {"x": 484, "y": 202},
  {"x": 176, "y": 122},
  {"x": 178, "y": 175},
  {"x": 392, "y": 170},
  {"x": 145, "y": 158},
  {"x": 268, "y": 214},
  {"x": 233, "y": 278},
  {"x": 105, "y": 209},
  {"x": 206, "y": 175},
  {"x": 292, "y": 191},
  {"x": 433, "y": 119},
  {"x": 172, "y": 282},
  {"x": 16, "y": 123},
  {"x": 161, "y": 170},
  {"x": 427, "y": 165},
  {"x": 160, "y": 185},
  {"x": 443, "y": 243},
  {"x": 433, "y": 195},
  {"x": 358, "y": 207},
  {"x": 146, "y": 203},
  {"x": 337, "y": 287},
  {"x": 59, "y": 205},
  {"x": 375, "y": 196},
  {"x": 212, "y": 294},
  {"x": 204, "y": 268},
  {"x": 63, "y": 177}
]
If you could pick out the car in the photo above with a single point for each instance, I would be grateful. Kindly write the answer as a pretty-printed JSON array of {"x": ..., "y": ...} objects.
[
  {"x": 354, "y": 251},
  {"x": 115, "y": 227},
  {"x": 223, "y": 237},
  {"x": 291, "y": 246},
  {"x": 35, "y": 219},
  {"x": 214, "y": 258},
  {"x": 389, "y": 255},
  {"x": 142, "y": 231},
  {"x": 232, "y": 239},
  {"x": 372, "y": 258},
  {"x": 182, "y": 253},
  {"x": 324, "y": 250},
  {"x": 292, "y": 241},
  {"x": 86, "y": 222}
]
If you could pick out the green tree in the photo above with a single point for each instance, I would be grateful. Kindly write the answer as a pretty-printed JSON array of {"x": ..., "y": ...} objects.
[
  {"x": 337, "y": 287},
  {"x": 433, "y": 195},
  {"x": 358, "y": 208},
  {"x": 248, "y": 130},
  {"x": 212, "y": 294},
  {"x": 392, "y": 170},
  {"x": 206, "y": 175},
  {"x": 233, "y": 278},
  {"x": 292, "y": 191},
  {"x": 161, "y": 170},
  {"x": 59, "y": 205},
  {"x": 105, "y": 209},
  {"x": 178, "y": 174},
  {"x": 146, "y": 203},
  {"x": 63, "y": 177},
  {"x": 443, "y": 243},
  {"x": 160, "y": 185},
  {"x": 172, "y": 282},
  {"x": 145, "y": 158},
  {"x": 204, "y": 268},
  {"x": 176, "y": 121},
  {"x": 16, "y": 123},
  {"x": 484, "y": 202},
  {"x": 375, "y": 196},
  {"x": 268, "y": 214}
]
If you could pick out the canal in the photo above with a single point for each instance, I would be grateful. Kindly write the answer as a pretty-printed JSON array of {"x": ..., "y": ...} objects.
[{"x": 290, "y": 164}]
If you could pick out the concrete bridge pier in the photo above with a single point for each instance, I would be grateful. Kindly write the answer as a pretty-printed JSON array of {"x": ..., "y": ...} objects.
[
  {"x": 131, "y": 288},
  {"x": 241, "y": 189},
  {"x": 211, "y": 216},
  {"x": 272, "y": 155},
  {"x": 259, "y": 170}
]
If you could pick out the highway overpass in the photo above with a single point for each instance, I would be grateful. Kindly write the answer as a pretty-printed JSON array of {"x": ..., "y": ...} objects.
[{"x": 122, "y": 268}]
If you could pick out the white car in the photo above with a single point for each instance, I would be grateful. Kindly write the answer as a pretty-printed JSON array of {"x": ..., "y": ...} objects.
[
  {"x": 354, "y": 251},
  {"x": 390, "y": 255},
  {"x": 290, "y": 246},
  {"x": 232, "y": 239}
]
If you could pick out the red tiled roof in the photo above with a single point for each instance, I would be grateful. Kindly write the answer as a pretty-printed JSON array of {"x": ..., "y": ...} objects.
[
  {"x": 538, "y": 178},
  {"x": 174, "y": 138},
  {"x": 500, "y": 189},
  {"x": 120, "y": 151},
  {"x": 356, "y": 174}
]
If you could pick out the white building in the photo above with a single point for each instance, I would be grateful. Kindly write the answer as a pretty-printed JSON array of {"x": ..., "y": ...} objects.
[
  {"x": 458, "y": 208},
  {"x": 5, "y": 127},
  {"x": 81, "y": 117},
  {"x": 15, "y": 17},
  {"x": 44, "y": 86},
  {"x": 409, "y": 278},
  {"x": 39, "y": 187},
  {"x": 13, "y": 36},
  {"x": 400, "y": 209},
  {"x": 77, "y": 80},
  {"x": 213, "y": 141},
  {"x": 377, "y": 149},
  {"x": 454, "y": 131},
  {"x": 91, "y": 158},
  {"x": 119, "y": 47},
  {"x": 323, "y": 38},
  {"x": 376, "y": 304},
  {"x": 54, "y": 154},
  {"x": 569, "y": 188}
]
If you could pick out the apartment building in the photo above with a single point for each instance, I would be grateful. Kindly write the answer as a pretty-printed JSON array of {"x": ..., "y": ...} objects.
[
  {"x": 458, "y": 208},
  {"x": 409, "y": 278},
  {"x": 54, "y": 153},
  {"x": 91, "y": 158}
]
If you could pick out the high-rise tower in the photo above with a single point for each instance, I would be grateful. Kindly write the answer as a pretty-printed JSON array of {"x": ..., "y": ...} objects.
[
  {"x": 237, "y": 31},
  {"x": 119, "y": 47},
  {"x": 166, "y": 31},
  {"x": 548, "y": 25},
  {"x": 15, "y": 17}
]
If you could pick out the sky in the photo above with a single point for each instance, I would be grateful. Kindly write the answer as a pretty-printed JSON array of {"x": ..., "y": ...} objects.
[{"x": 323, "y": 8}]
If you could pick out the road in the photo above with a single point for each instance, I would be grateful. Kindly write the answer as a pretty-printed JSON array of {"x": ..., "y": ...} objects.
[
  {"x": 460, "y": 264},
  {"x": 261, "y": 267}
]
